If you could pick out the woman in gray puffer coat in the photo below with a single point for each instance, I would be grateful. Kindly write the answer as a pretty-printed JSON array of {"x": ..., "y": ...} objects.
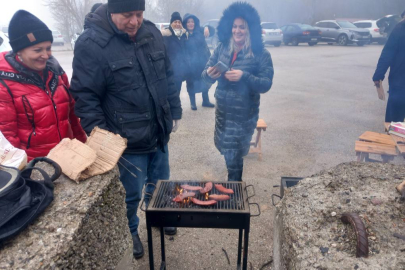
[{"x": 238, "y": 91}]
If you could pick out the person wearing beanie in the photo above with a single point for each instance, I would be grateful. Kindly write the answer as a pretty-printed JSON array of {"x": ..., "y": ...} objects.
[
  {"x": 248, "y": 72},
  {"x": 175, "y": 37},
  {"x": 36, "y": 110},
  {"x": 123, "y": 82}
]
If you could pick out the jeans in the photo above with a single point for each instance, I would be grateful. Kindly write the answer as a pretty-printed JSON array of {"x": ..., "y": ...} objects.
[{"x": 151, "y": 167}]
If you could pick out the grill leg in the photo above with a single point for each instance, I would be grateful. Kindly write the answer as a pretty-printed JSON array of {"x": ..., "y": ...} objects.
[
  {"x": 150, "y": 246},
  {"x": 245, "y": 249},
  {"x": 240, "y": 247},
  {"x": 162, "y": 246}
]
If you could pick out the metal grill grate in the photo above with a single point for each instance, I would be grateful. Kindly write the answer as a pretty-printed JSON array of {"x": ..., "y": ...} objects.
[{"x": 168, "y": 190}]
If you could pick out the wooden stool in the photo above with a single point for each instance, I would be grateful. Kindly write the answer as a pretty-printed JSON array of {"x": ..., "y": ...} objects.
[
  {"x": 257, "y": 144},
  {"x": 375, "y": 143}
]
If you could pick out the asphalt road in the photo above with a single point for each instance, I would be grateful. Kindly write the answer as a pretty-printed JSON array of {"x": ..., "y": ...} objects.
[{"x": 322, "y": 99}]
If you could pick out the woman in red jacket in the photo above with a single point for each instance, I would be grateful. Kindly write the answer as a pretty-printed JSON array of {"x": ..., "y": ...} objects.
[{"x": 36, "y": 109}]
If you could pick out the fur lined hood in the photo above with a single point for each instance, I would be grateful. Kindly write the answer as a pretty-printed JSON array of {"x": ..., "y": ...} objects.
[
  {"x": 169, "y": 32},
  {"x": 250, "y": 15},
  {"x": 197, "y": 26}
]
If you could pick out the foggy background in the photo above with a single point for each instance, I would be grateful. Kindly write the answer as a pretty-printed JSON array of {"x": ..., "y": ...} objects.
[{"x": 67, "y": 16}]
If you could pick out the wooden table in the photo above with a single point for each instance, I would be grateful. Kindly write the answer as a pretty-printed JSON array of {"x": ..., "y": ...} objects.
[{"x": 257, "y": 144}]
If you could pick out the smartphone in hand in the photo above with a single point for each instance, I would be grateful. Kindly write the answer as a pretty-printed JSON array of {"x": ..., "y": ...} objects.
[{"x": 221, "y": 67}]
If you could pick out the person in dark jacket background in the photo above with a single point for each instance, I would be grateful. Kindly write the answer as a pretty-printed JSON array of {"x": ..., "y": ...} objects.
[
  {"x": 393, "y": 57},
  {"x": 174, "y": 38},
  {"x": 197, "y": 54},
  {"x": 123, "y": 82},
  {"x": 238, "y": 91}
]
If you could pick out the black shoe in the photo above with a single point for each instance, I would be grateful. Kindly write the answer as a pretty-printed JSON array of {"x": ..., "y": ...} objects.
[
  {"x": 206, "y": 100},
  {"x": 138, "y": 248},
  {"x": 208, "y": 104},
  {"x": 192, "y": 101},
  {"x": 170, "y": 230}
]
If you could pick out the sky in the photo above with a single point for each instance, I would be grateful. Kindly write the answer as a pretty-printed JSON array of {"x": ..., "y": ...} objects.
[{"x": 36, "y": 7}]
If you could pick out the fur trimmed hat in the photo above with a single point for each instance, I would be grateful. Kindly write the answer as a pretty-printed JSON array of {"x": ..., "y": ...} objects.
[
  {"x": 26, "y": 30},
  {"x": 247, "y": 12}
]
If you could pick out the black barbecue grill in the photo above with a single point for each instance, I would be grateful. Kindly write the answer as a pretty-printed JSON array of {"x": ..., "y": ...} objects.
[{"x": 231, "y": 214}]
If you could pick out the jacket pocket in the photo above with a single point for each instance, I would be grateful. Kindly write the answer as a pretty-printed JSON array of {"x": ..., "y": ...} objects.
[
  {"x": 135, "y": 127},
  {"x": 158, "y": 62},
  {"x": 125, "y": 73},
  {"x": 168, "y": 120},
  {"x": 29, "y": 113}
]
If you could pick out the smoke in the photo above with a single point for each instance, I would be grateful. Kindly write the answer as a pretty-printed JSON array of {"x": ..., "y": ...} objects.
[{"x": 281, "y": 11}]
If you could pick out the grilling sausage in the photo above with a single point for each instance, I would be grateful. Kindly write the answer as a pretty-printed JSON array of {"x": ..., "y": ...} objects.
[
  {"x": 219, "y": 197},
  {"x": 181, "y": 197},
  {"x": 207, "y": 188},
  {"x": 193, "y": 188},
  {"x": 222, "y": 189},
  {"x": 203, "y": 203}
]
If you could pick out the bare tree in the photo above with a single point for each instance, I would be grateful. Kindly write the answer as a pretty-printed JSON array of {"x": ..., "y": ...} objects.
[{"x": 69, "y": 14}]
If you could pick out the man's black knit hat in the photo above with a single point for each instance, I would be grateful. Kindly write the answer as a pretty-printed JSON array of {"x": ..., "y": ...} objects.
[
  {"x": 175, "y": 16},
  {"x": 26, "y": 30},
  {"x": 121, "y": 6}
]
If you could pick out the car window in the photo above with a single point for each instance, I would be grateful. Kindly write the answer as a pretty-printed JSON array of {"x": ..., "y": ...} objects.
[
  {"x": 269, "y": 26},
  {"x": 345, "y": 24},
  {"x": 290, "y": 28},
  {"x": 322, "y": 24},
  {"x": 332, "y": 25},
  {"x": 306, "y": 27},
  {"x": 363, "y": 25}
]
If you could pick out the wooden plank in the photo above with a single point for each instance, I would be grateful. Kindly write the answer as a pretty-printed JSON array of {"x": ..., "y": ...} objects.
[
  {"x": 370, "y": 136},
  {"x": 375, "y": 148},
  {"x": 400, "y": 142},
  {"x": 261, "y": 124}
]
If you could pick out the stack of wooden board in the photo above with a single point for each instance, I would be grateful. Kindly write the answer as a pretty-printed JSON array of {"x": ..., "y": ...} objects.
[{"x": 375, "y": 143}]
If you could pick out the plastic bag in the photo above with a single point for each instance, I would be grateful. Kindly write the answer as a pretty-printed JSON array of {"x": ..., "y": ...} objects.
[{"x": 11, "y": 156}]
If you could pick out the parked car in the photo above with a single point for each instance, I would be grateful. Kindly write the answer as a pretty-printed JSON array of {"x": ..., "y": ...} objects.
[
  {"x": 371, "y": 26},
  {"x": 4, "y": 43},
  {"x": 343, "y": 33},
  {"x": 4, "y": 29},
  {"x": 212, "y": 40},
  {"x": 271, "y": 34},
  {"x": 387, "y": 23},
  {"x": 296, "y": 33},
  {"x": 162, "y": 26},
  {"x": 57, "y": 38}
]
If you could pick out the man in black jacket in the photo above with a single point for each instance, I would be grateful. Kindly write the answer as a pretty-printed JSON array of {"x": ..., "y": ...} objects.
[
  {"x": 123, "y": 82},
  {"x": 393, "y": 57}
]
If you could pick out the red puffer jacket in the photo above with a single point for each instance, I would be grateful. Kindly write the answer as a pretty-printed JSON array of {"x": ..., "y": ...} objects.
[{"x": 35, "y": 116}]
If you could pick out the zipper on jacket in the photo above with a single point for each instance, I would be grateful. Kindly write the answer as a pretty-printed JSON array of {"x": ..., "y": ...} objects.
[
  {"x": 54, "y": 108},
  {"x": 32, "y": 121},
  {"x": 57, "y": 119}
]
